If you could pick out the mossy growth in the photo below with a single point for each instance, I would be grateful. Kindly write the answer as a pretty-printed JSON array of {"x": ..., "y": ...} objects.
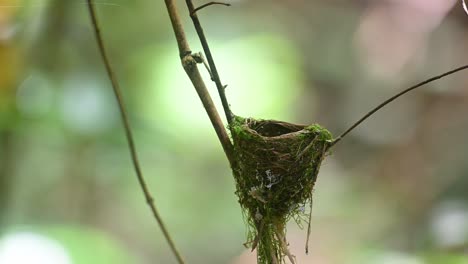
[{"x": 275, "y": 168}]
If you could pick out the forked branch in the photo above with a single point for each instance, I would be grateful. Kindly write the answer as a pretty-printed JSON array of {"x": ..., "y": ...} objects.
[
  {"x": 189, "y": 63},
  {"x": 128, "y": 133},
  {"x": 391, "y": 99}
]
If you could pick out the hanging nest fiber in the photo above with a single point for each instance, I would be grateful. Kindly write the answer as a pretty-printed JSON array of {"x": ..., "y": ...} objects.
[{"x": 276, "y": 166}]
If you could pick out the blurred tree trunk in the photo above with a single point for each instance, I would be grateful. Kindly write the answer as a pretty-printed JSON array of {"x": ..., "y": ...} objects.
[
  {"x": 10, "y": 65},
  {"x": 6, "y": 173}
]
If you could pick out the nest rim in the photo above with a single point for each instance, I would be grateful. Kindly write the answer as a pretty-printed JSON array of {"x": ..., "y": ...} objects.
[{"x": 293, "y": 130}]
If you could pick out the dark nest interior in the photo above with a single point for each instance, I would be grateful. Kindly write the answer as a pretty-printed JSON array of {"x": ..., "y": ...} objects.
[{"x": 276, "y": 166}]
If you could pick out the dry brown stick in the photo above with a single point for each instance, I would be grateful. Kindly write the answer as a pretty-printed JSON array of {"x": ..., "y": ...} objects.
[
  {"x": 128, "y": 133},
  {"x": 209, "y": 57},
  {"x": 190, "y": 67}
]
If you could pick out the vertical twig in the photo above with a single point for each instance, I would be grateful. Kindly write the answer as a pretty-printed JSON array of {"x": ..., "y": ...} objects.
[
  {"x": 128, "y": 133},
  {"x": 209, "y": 57},
  {"x": 190, "y": 67}
]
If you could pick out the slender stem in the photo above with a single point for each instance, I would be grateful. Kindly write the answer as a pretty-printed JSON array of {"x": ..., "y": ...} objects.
[
  {"x": 309, "y": 225},
  {"x": 189, "y": 64},
  {"x": 209, "y": 4},
  {"x": 209, "y": 57},
  {"x": 184, "y": 48},
  {"x": 128, "y": 133},
  {"x": 391, "y": 99}
]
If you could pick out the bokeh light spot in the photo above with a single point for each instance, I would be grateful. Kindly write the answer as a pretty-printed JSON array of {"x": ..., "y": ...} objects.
[{"x": 31, "y": 248}]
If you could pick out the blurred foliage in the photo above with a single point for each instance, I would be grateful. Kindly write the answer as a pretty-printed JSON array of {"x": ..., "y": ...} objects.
[
  {"x": 394, "y": 191},
  {"x": 270, "y": 73}
]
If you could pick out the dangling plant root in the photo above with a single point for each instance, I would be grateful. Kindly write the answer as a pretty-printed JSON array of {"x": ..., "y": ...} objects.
[{"x": 276, "y": 166}]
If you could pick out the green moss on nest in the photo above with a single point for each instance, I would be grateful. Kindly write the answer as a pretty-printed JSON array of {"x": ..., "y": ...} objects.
[{"x": 276, "y": 166}]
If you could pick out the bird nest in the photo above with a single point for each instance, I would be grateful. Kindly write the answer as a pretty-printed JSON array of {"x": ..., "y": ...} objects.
[{"x": 275, "y": 168}]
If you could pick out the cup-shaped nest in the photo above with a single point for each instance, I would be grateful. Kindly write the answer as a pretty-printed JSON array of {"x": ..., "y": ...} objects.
[{"x": 276, "y": 166}]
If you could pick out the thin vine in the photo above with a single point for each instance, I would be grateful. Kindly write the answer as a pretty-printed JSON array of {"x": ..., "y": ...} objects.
[
  {"x": 393, "y": 98},
  {"x": 206, "y": 48},
  {"x": 128, "y": 133}
]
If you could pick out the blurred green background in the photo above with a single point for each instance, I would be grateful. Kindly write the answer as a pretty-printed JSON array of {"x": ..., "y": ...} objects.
[{"x": 394, "y": 192}]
